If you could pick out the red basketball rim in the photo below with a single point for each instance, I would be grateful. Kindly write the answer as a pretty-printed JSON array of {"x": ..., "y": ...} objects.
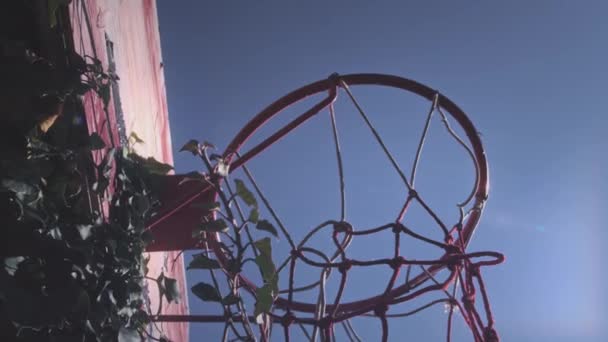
[{"x": 331, "y": 86}]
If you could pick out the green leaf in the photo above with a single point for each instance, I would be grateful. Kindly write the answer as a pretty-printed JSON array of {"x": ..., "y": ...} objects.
[
  {"x": 267, "y": 227},
  {"x": 82, "y": 88},
  {"x": 201, "y": 261},
  {"x": 147, "y": 237},
  {"x": 161, "y": 284},
  {"x": 264, "y": 300},
  {"x": 144, "y": 265},
  {"x": 53, "y": 6},
  {"x": 263, "y": 245},
  {"x": 206, "y": 292},
  {"x": 105, "y": 167},
  {"x": 151, "y": 165},
  {"x": 245, "y": 194},
  {"x": 234, "y": 266},
  {"x": 156, "y": 167},
  {"x": 266, "y": 267},
  {"x": 104, "y": 93},
  {"x": 206, "y": 205},
  {"x": 171, "y": 289},
  {"x": 12, "y": 263},
  {"x": 192, "y": 176},
  {"x": 214, "y": 226},
  {"x": 84, "y": 230},
  {"x": 96, "y": 142},
  {"x": 128, "y": 335},
  {"x": 254, "y": 216},
  {"x": 208, "y": 145},
  {"x": 135, "y": 138},
  {"x": 191, "y": 146},
  {"x": 230, "y": 299}
]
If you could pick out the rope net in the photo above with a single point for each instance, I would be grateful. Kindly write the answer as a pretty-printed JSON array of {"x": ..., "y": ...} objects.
[{"x": 453, "y": 280}]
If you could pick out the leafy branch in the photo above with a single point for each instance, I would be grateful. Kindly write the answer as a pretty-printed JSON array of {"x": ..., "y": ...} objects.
[{"x": 230, "y": 220}]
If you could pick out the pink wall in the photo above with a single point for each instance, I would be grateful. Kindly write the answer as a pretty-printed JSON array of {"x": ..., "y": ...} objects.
[{"x": 133, "y": 28}]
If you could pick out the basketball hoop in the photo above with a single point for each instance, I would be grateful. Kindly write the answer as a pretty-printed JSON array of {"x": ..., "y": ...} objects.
[{"x": 463, "y": 268}]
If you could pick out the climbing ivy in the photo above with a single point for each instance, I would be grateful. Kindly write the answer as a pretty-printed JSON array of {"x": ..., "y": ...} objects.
[
  {"x": 236, "y": 209},
  {"x": 73, "y": 265}
]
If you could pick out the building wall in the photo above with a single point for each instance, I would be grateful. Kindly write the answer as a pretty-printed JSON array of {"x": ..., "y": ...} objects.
[{"x": 132, "y": 28}]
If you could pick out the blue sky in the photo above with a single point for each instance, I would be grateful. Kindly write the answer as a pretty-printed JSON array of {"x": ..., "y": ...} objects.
[{"x": 530, "y": 75}]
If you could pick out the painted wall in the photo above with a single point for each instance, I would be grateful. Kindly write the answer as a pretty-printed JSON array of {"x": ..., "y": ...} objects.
[{"x": 132, "y": 28}]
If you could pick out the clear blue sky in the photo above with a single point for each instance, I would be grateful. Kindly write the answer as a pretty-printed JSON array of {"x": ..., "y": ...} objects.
[{"x": 532, "y": 77}]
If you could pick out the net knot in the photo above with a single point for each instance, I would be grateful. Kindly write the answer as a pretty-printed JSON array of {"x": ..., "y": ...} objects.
[
  {"x": 325, "y": 322},
  {"x": 380, "y": 310},
  {"x": 345, "y": 266},
  {"x": 395, "y": 263},
  {"x": 475, "y": 270},
  {"x": 490, "y": 335},
  {"x": 334, "y": 79},
  {"x": 343, "y": 227},
  {"x": 296, "y": 253},
  {"x": 287, "y": 319},
  {"x": 413, "y": 193},
  {"x": 449, "y": 240},
  {"x": 452, "y": 257},
  {"x": 398, "y": 228},
  {"x": 468, "y": 300}
]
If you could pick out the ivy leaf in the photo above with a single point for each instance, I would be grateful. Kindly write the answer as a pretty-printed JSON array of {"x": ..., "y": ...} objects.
[
  {"x": 144, "y": 265},
  {"x": 37, "y": 149},
  {"x": 206, "y": 292},
  {"x": 105, "y": 168},
  {"x": 214, "y": 226},
  {"x": 128, "y": 335},
  {"x": 151, "y": 165},
  {"x": 12, "y": 263},
  {"x": 267, "y": 268},
  {"x": 234, "y": 266},
  {"x": 254, "y": 216},
  {"x": 96, "y": 142},
  {"x": 215, "y": 156},
  {"x": 147, "y": 237},
  {"x": 267, "y": 227},
  {"x": 53, "y": 6},
  {"x": 230, "y": 299},
  {"x": 104, "y": 93},
  {"x": 206, "y": 205},
  {"x": 155, "y": 167},
  {"x": 264, "y": 300},
  {"x": 135, "y": 138},
  {"x": 264, "y": 246},
  {"x": 95, "y": 66},
  {"x": 201, "y": 261},
  {"x": 82, "y": 88},
  {"x": 21, "y": 189},
  {"x": 191, "y": 146},
  {"x": 171, "y": 289},
  {"x": 160, "y": 283},
  {"x": 101, "y": 185},
  {"x": 104, "y": 171},
  {"x": 84, "y": 230},
  {"x": 208, "y": 145},
  {"x": 192, "y": 176},
  {"x": 266, "y": 265},
  {"x": 245, "y": 194}
]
